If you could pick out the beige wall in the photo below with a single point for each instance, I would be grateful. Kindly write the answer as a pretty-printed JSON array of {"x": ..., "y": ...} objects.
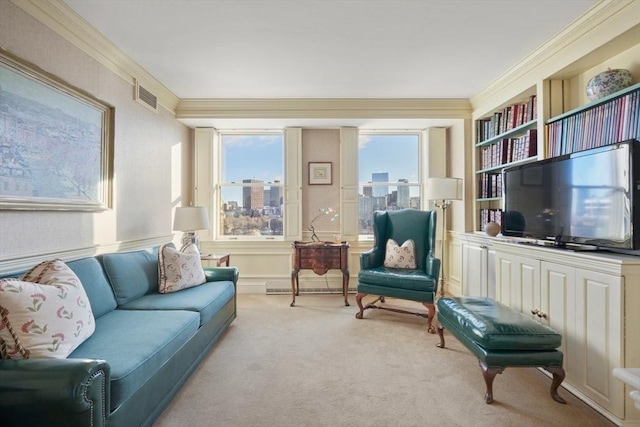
[
  {"x": 320, "y": 145},
  {"x": 149, "y": 155}
]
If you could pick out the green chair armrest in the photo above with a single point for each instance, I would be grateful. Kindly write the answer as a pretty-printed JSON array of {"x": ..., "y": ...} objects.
[
  {"x": 70, "y": 392},
  {"x": 215, "y": 274},
  {"x": 371, "y": 259},
  {"x": 433, "y": 268}
]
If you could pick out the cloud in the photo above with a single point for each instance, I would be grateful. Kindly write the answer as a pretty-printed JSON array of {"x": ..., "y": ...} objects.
[{"x": 363, "y": 140}]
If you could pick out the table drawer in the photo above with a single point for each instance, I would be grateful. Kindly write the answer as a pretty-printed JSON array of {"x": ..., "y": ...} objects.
[
  {"x": 322, "y": 264},
  {"x": 325, "y": 253}
]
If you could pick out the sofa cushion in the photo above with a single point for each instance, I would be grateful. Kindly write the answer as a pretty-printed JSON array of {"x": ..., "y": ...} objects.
[
  {"x": 179, "y": 269},
  {"x": 206, "y": 299},
  {"x": 95, "y": 284},
  {"x": 400, "y": 256},
  {"x": 131, "y": 274},
  {"x": 136, "y": 343},
  {"x": 43, "y": 314}
]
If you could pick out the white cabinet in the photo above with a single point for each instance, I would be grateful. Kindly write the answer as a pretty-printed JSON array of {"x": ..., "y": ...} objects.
[
  {"x": 478, "y": 266},
  {"x": 593, "y": 301},
  {"x": 518, "y": 281},
  {"x": 598, "y": 350}
]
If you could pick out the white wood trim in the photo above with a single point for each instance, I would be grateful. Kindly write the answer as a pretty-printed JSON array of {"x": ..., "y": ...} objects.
[
  {"x": 292, "y": 184},
  {"x": 205, "y": 166},
  {"x": 63, "y": 20},
  {"x": 25, "y": 261},
  {"x": 349, "y": 224},
  {"x": 323, "y": 108}
]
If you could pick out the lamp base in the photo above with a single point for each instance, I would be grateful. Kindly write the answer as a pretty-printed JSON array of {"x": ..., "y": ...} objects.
[{"x": 190, "y": 237}]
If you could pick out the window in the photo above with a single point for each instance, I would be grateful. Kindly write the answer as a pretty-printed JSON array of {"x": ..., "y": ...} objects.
[
  {"x": 251, "y": 187},
  {"x": 389, "y": 175}
]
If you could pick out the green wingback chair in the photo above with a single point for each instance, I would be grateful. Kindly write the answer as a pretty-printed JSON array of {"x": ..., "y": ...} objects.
[{"x": 418, "y": 284}]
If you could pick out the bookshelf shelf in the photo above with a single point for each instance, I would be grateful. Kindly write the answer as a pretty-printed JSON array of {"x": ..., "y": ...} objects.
[
  {"x": 499, "y": 168},
  {"x": 595, "y": 103},
  {"x": 513, "y": 132},
  {"x": 612, "y": 119},
  {"x": 506, "y": 137}
]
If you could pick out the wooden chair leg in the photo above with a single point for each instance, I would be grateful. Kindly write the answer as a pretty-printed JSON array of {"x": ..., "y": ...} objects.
[
  {"x": 489, "y": 374},
  {"x": 359, "y": 297},
  {"x": 558, "y": 377},
  {"x": 431, "y": 313}
]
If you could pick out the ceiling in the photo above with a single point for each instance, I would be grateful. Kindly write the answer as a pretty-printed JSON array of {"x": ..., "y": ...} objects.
[{"x": 328, "y": 48}]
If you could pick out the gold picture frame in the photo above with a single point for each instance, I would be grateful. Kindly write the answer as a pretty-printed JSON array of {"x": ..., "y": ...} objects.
[
  {"x": 57, "y": 142},
  {"x": 320, "y": 173}
]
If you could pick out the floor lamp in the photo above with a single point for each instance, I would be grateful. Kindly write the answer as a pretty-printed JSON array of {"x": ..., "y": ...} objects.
[{"x": 443, "y": 191}]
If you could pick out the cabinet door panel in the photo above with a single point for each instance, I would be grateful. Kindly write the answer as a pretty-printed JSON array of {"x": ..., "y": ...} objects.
[
  {"x": 557, "y": 295},
  {"x": 598, "y": 311},
  {"x": 475, "y": 270},
  {"x": 505, "y": 266},
  {"x": 491, "y": 273},
  {"x": 529, "y": 286}
]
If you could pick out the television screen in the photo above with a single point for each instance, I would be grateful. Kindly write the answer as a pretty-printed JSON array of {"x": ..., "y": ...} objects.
[{"x": 586, "y": 198}]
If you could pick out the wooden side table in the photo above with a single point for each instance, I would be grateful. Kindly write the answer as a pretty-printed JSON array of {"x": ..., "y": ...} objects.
[
  {"x": 218, "y": 258},
  {"x": 320, "y": 257}
]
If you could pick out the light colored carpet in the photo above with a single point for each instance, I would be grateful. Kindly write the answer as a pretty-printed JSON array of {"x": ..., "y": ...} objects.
[{"x": 317, "y": 365}]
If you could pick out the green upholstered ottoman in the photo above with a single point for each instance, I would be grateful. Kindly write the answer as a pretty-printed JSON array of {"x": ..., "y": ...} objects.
[{"x": 501, "y": 337}]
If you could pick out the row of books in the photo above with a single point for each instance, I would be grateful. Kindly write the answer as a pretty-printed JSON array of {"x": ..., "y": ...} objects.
[
  {"x": 490, "y": 215},
  {"x": 614, "y": 121},
  {"x": 490, "y": 185},
  {"x": 509, "y": 150},
  {"x": 503, "y": 121}
]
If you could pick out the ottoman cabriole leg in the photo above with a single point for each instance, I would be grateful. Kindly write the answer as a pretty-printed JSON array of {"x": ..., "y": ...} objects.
[
  {"x": 441, "y": 335},
  {"x": 489, "y": 374},
  {"x": 558, "y": 377}
]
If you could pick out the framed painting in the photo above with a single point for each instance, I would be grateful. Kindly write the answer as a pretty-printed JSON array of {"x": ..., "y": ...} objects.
[
  {"x": 56, "y": 142},
  {"x": 320, "y": 173}
]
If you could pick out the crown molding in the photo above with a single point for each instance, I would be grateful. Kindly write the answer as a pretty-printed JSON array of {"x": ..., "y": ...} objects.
[
  {"x": 599, "y": 25},
  {"x": 60, "y": 18},
  {"x": 311, "y": 108}
]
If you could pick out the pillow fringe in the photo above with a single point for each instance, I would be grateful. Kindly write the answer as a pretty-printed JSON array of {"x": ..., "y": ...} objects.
[{"x": 3, "y": 345}]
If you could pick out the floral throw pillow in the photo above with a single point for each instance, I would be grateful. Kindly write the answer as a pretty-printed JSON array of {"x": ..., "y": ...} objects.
[
  {"x": 45, "y": 313},
  {"x": 179, "y": 269},
  {"x": 400, "y": 256}
]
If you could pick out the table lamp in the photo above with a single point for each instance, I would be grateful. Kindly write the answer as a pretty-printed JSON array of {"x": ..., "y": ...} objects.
[
  {"x": 189, "y": 219},
  {"x": 443, "y": 191}
]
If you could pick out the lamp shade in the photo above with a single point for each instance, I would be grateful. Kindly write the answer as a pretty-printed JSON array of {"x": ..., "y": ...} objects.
[
  {"x": 444, "y": 188},
  {"x": 191, "y": 218}
]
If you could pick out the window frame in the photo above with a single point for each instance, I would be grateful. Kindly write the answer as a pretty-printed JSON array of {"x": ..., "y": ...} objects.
[
  {"x": 422, "y": 162},
  {"x": 219, "y": 184}
]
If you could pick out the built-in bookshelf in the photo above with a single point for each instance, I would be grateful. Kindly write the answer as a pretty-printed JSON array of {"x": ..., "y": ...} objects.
[
  {"x": 611, "y": 119},
  {"x": 507, "y": 137}
]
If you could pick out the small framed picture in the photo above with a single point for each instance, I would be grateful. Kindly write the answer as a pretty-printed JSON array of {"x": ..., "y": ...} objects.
[{"x": 320, "y": 173}]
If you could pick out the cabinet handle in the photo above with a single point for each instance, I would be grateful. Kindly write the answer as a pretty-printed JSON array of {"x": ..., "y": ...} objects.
[{"x": 483, "y": 246}]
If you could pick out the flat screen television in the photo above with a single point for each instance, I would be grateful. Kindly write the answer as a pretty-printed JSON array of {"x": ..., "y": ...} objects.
[{"x": 588, "y": 199}]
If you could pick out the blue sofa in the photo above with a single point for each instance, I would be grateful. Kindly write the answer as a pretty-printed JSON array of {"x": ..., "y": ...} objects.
[{"x": 144, "y": 347}]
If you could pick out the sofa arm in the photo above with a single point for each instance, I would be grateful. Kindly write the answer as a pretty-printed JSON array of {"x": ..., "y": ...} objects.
[
  {"x": 216, "y": 274},
  {"x": 69, "y": 392}
]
